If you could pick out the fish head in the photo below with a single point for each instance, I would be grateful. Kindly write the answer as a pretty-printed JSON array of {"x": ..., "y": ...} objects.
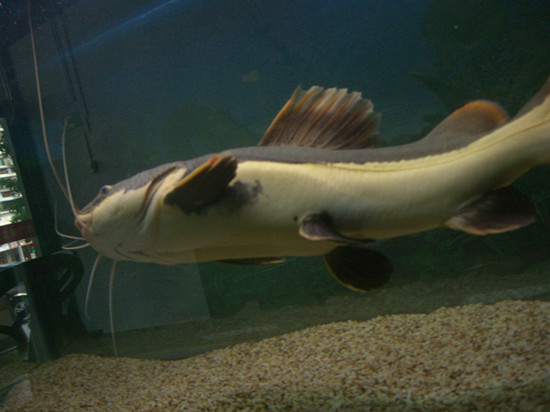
[{"x": 114, "y": 223}]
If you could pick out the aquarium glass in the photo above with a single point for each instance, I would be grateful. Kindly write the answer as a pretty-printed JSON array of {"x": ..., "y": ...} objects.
[{"x": 138, "y": 84}]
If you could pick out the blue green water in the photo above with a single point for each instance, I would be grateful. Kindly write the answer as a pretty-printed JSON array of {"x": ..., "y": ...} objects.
[{"x": 159, "y": 81}]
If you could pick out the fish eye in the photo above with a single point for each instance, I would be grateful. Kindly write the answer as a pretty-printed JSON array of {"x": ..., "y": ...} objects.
[{"x": 105, "y": 190}]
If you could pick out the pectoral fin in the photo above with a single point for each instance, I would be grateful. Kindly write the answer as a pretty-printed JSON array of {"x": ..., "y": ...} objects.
[
  {"x": 319, "y": 227},
  {"x": 497, "y": 211},
  {"x": 359, "y": 269},
  {"x": 203, "y": 186}
]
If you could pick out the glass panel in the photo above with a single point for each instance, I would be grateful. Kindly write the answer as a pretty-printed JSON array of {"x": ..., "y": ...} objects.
[{"x": 219, "y": 242}]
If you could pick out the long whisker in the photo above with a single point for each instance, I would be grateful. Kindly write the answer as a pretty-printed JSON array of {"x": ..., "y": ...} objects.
[
  {"x": 40, "y": 107},
  {"x": 76, "y": 247},
  {"x": 75, "y": 210},
  {"x": 65, "y": 187},
  {"x": 111, "y": 280},
  {"x": 69, "y": 236},
  {"x": 60, "y": 233},
  {"x": 73, "y": 242},
  {"x": 90, "y": 281}
]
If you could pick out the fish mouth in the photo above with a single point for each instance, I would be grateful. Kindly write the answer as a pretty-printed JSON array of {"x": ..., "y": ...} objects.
[{"x": 83, "y": 223}]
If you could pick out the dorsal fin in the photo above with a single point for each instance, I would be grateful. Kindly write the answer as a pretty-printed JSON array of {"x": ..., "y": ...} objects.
[
  {"x": 331, "y": 119},
  {"x": 472, "y": 120}
]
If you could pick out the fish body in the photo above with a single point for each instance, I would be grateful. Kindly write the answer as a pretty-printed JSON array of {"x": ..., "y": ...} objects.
[{"x": 315, "y": 186}]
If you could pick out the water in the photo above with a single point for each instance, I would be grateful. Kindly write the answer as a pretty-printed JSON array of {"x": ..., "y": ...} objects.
[{"x": 161, "y": 81}]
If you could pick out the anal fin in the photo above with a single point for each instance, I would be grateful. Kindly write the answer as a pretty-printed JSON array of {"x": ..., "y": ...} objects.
[
  {"x": 357, "y": 268},
  {"x": 496, "y": 211},
  {"x": 318, "y": 226},
  {"x": 203, "y": 186}
]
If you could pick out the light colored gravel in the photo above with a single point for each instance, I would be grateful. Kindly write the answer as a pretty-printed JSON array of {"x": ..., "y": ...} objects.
[{"x": 475, "y": 357}]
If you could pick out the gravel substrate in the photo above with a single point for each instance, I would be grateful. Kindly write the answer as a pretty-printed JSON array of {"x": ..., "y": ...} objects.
[{"x": 475, "y": 357}]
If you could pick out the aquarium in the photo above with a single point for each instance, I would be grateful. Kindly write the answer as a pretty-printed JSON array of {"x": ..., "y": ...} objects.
[{"x": 229, "y": 205}]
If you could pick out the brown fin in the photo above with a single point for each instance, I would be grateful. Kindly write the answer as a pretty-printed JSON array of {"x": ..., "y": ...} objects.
[
  {"x": 497, "y": 211},
  {"x": 203, "y": 186},
  {"x": 359, "y": 269},
  {"x": 253, "y": 261},
  {"x": 331, "y": 119},
  {"x": 319, "y": 227},
  {"x": 474, "y": 119}
]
